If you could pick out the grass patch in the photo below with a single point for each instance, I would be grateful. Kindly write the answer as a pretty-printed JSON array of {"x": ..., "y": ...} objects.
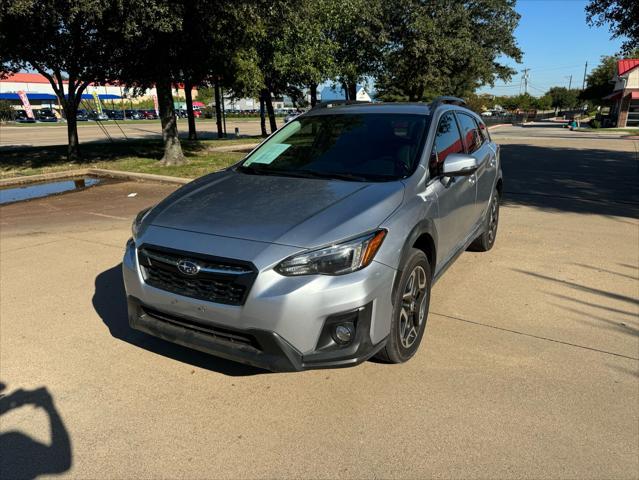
[{"x": 130, "y": 155}]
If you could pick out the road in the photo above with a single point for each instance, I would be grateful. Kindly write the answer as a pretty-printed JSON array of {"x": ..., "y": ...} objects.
[
  {"x": 529, "y": 365},
  {"x": 46, "y": 135}
]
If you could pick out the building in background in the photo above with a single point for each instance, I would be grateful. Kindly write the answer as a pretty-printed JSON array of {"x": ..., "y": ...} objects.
[
  {"x": 625, "y": 110},
  {"x": 41, "y": 94}
]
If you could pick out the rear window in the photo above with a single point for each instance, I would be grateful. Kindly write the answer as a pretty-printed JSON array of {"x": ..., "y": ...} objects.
[{"x": 369, "y": 147}]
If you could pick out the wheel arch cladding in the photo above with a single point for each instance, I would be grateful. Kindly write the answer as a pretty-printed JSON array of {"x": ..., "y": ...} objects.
[{"x": 422, "y": 237}]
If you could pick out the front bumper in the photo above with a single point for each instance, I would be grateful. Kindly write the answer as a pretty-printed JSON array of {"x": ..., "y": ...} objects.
[{"x": 282, "y": 324}]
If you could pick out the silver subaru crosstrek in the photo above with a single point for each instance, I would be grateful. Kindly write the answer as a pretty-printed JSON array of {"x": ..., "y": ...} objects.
[{"x": 320, "y": 248}]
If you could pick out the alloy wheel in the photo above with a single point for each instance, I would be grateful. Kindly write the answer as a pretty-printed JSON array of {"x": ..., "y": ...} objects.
[{"x": 413, "y": 309}]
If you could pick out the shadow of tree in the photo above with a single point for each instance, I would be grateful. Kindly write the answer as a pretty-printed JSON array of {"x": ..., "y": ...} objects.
[
  {"x": 22, "y": 457},
  {"x": 36, "y": 157},
  {"x": 574, "y": 180},
  {"x": 109, "y": 301},
  {"x": 583, "y": 288}
]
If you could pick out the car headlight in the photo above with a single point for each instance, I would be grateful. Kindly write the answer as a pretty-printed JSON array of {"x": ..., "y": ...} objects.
[
  {"x": 345, "y": 257},
  {"x": 135, "y": 227}
]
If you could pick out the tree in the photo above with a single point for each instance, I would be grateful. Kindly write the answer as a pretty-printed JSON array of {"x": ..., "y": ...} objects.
[
  {"x": 621, "y": 15},
  {"x": 156, "y": 26},
  {"x": 444, "y": 47},
  {"x": 305, "y": 54},
  {"x": 357, "y": 30},
  {"x": 599, "y": 81},
  {"x": 209, "y": 35},
  {"x": 563, "y": 98},
  {"x": 64, "y": 41}
]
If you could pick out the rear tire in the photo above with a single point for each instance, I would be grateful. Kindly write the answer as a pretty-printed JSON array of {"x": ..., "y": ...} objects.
[
  {"x": 410, "y": 310},
  {"x": 486, "y": 240}
]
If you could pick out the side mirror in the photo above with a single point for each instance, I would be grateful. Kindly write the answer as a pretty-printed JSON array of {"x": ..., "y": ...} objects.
[{"x": 460, "y": 164}]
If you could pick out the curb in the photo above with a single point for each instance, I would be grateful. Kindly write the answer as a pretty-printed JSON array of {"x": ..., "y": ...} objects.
[
  {"x": 43, "y": 177},
  {"x": 140, "y": 177},
  {"x": 95, "y": 172},
  {"x": 491, "y": 127}
]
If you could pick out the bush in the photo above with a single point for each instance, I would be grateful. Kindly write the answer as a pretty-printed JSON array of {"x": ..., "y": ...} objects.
[
  {"x": 594, "y": 123},
  {"x": 6, "y": 111}
]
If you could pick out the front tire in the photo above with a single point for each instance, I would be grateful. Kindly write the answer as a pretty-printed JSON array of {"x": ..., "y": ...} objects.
[{"x": 410, "y": 310}]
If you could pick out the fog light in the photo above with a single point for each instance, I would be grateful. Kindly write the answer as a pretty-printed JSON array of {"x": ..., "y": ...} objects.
[{"x": 343, "y": 333}]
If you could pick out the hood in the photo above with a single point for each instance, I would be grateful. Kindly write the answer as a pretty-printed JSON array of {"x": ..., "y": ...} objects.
[{"x": 291, "y": 211}]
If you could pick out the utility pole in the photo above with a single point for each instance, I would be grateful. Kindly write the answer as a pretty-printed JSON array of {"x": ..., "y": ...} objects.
[
  {"x": 583, "y": 85},
  {"x": 524, "y": 79},
  {"x": 570, "y": 82}
]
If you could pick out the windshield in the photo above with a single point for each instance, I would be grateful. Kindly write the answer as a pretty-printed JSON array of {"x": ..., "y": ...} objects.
[{"x": 356, "y": 147}]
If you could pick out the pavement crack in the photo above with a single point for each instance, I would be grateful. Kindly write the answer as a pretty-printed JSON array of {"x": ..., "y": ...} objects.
[{"x": 451, "y": 317}]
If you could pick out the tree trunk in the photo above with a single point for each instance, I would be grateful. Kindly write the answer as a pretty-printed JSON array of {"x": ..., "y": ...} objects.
[
  {"x": 313, "y": 89},
  {"x": 269, "y": 108},
  {"x": 218, "y": 110},
  {"x": 352, "y": 91},
  {"x": 73, "y": 147},
  {"x": 189, "y": 109},
  {"x": 263, "y": 115},
  {"x": 172, "y": 149},
  {"x": 345, "y": 87}
]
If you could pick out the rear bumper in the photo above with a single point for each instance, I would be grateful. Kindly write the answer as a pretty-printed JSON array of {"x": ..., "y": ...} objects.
[{"x": 255, "y": 347}]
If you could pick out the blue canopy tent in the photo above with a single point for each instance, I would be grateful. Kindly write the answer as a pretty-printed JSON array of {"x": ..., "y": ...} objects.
[
  {"x": 30, "y": 96},
  {"x": 48, "y": 96}
]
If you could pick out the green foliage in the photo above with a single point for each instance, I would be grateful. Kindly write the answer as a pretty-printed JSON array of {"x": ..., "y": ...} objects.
[
  {"x": 6, "y": 111},
  {"x": 594, "y": 123},
  {"x": 444, "y": 47},
  {"x": 599, "y": 81},
  {"x": 621, "y": 15},
  {"x": 563, "y": 98}
]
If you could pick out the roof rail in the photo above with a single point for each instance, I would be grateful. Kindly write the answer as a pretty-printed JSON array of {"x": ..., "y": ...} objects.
[
  {"x": 447, "y": 100},
  {"x": 335, "y": 103}
]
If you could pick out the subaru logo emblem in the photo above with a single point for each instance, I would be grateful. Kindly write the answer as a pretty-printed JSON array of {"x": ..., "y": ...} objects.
[{"x": 187, "y": 267}]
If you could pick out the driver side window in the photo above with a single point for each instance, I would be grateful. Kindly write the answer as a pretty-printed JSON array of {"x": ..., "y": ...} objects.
[{"x": 447, "y": 141}]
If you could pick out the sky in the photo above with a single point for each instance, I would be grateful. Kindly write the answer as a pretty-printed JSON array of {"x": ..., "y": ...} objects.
[{"x": 556, "y": 42}]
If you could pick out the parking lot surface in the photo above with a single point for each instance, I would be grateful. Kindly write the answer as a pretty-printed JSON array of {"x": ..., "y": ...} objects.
[
  {"x": 529, "y": 366},
  {"x": 42, "y": 135}
]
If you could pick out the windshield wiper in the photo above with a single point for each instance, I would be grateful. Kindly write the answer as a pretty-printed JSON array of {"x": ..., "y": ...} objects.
[
  {"x": 336, "y": 175},
  {"x": 252, "y": 169}
]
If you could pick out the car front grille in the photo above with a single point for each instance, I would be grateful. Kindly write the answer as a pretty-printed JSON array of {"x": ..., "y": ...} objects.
[
  {"x": 219, "y": 280},
  {"x": 221, "y": 334}
]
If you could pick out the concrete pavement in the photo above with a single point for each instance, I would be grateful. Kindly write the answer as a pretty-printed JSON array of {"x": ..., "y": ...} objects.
[{"x": 529, "y": 366}]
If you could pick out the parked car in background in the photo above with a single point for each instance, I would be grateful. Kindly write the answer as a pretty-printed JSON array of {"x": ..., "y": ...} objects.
[
  {"x": 21, "y": 117},
  {"x": 98, "y": 116},
  {"x": 320, "y": 248},
  {"x": 46, "y": 115},
  {"x": 148, "y": 114},
  {"x": 115, "y": 114},
  {"x": 82, "y": 116},
  {"x": 292, "y": 116},
  {"x": 132, "y": 114}
]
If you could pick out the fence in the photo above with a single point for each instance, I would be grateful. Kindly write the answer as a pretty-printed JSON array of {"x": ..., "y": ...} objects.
[{"x": 529, "y": 117}]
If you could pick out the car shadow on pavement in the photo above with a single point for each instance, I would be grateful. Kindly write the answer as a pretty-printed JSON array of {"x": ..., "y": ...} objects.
[
  {"x": 579, "y": 180},
  {"x": 24, "y": 457},
  {"x": 109, "y": 301}
]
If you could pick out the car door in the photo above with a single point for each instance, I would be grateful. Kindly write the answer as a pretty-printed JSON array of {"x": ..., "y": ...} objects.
[
  {"x": 455, "y": 195},
  {"x": 477, "y": 144}
]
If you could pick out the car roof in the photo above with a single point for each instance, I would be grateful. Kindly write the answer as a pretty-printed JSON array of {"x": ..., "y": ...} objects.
[{"x": 358, "y": 108}]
